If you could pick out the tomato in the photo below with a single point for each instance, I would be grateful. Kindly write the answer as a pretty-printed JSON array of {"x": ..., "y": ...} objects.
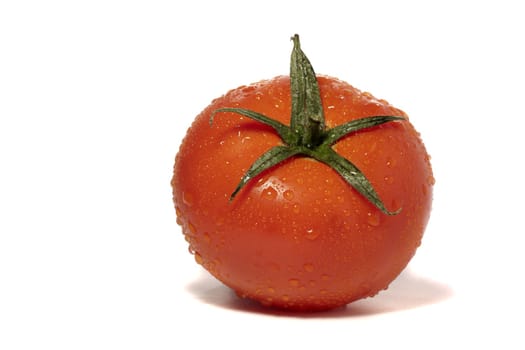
[{"x": 297, "y": 235}]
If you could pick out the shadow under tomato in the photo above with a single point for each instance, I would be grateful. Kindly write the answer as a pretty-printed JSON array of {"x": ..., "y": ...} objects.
[{"x": 408, "y": 291}]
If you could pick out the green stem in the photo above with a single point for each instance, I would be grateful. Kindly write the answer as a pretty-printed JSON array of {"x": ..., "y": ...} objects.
[
  {"x": 307, "y": 118},
  {"x": 307, "y": 134}
]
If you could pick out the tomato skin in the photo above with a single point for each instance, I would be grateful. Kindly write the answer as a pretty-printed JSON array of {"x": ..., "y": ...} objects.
[{"x": 298, "y": 236}]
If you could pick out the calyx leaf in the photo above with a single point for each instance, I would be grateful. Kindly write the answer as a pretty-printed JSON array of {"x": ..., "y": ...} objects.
[{"x": 307, "y": 134}]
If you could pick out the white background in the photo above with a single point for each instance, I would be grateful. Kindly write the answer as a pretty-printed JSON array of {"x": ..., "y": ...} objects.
[{"x": 95, "y": 97}]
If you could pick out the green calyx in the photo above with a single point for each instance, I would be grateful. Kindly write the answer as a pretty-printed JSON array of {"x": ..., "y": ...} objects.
[{"x": 307, "y": 134}]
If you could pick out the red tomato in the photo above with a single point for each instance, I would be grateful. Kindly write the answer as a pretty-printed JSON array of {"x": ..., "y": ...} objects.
[{"x": 297, "y": 235}]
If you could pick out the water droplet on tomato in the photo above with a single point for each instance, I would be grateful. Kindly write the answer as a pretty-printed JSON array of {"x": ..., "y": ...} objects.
[
  {"x": 288, "y": 194},
  {"x": 312, "y": 234},
  {"x": 270, "y": 290},
  {"x": 191, "y": 228},
  {"x": 180, "y": 217},
  {"x": 391, "y": 162},
  {"x": 293, "y": 282},
  {"x": 389, "y": 179},
  {"x": 285, "y": 298},
  {"x": 241, "y": 294},
  {"x": 198, "y": 258},
  {"x": 373, "y": 219},
  {"x": 187, "y": 199},
  {"x": 267, "y": 302},
  {"x": 424, "y": 189},
  {"x": 248, "y": 89},
  {"x": 269, "y": 193},
  {"x": 296, "y": 208},
  {"x": 308, "y": 267},
  {"x": 211, "y": 266},
  {"x": 395, "y": 204}
]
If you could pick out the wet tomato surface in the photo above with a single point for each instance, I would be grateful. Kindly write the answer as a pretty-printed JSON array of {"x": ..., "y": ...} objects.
[{"x": 297, "y": 235}]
